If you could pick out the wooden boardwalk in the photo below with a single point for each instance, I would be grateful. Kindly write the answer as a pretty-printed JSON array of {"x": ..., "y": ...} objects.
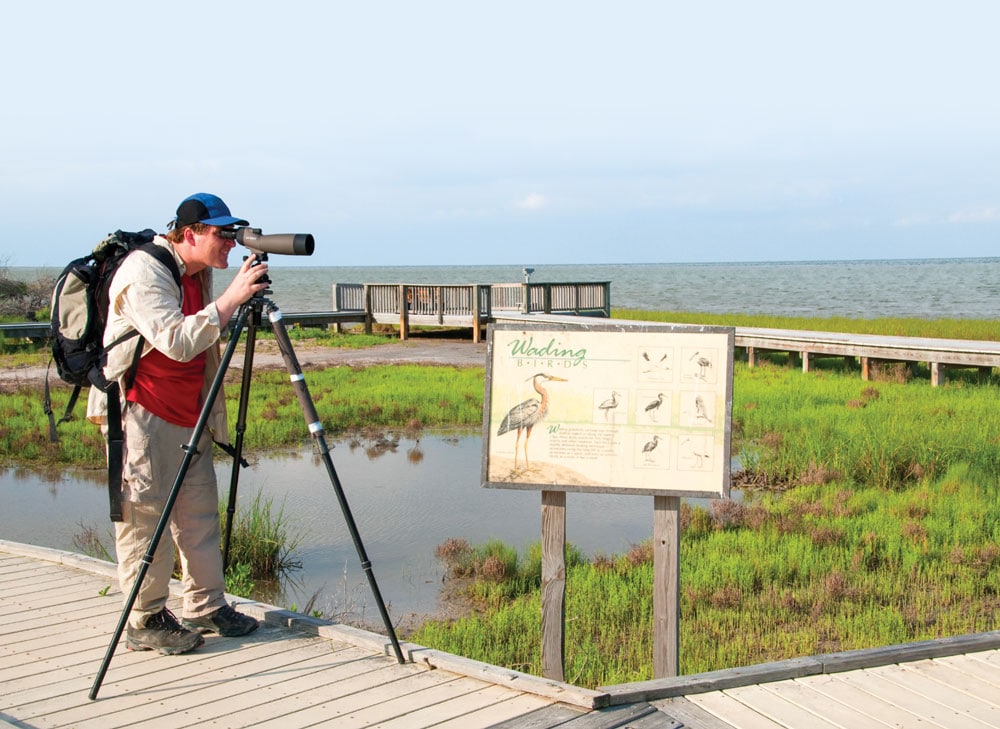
[{"x": 58, "y": 612}]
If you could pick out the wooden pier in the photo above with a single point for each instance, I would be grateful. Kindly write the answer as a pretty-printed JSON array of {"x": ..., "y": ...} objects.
[
  {"x": 58, "y": 611},
  {"x": 467, "y": 305}
]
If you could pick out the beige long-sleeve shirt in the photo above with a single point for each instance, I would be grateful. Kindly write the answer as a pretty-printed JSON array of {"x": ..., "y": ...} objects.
[{"x": 145, "y": 297}]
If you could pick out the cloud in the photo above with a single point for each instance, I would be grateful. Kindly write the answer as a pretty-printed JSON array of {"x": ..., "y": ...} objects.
[
  {"x": 909, "y": 221},
  {"x": 987, "y": 214},
  {"x": 534, "y": 201}
]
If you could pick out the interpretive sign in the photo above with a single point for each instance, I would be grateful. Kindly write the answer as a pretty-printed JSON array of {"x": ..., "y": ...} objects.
[{"x": 642, "y": 408}]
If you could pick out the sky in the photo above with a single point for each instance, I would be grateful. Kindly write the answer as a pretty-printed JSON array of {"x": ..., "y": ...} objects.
[{"x": 473, "y": 133}]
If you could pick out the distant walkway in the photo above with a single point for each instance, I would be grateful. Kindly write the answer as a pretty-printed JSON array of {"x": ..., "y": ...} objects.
[{"x": 58, "y": 611}]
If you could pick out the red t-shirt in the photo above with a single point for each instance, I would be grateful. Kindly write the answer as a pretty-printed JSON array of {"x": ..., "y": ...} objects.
[{"x": 167, "y": 388}]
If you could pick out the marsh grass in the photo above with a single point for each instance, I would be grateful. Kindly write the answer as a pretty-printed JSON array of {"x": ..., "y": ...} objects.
[
  {"x": 976, "y": 329},
  {"x": 261, "y": 547},
  {"x": 818, "y": 569},
  {"x": 261, "y": 539},
  {"x": 346, "y": 398}
]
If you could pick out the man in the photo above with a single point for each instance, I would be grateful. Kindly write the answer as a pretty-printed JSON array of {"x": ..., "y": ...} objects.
[{"x": 180, "y": 329}]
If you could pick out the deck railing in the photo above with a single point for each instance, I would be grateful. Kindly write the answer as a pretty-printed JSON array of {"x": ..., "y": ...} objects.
[{"x": 468, "y": 304}]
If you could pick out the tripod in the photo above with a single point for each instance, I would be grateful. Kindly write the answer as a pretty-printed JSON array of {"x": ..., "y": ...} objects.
[{"x": 249, "y": 312}]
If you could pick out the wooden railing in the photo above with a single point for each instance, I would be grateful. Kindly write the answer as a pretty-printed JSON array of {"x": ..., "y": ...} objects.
[{"x": 470, "y": 305}]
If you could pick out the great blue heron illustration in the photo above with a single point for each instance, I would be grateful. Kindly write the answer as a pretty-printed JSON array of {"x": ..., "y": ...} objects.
[
  {"x": 654, "y": 407},
  {"x": 528, "y": 414},
  {"x": 610, "y": 404}
]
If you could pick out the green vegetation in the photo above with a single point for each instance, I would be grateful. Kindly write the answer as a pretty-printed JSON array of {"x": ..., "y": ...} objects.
[
  {"x": 260, "y": 548},
  {"x": 260, "y": 544},
  {"x": 978, "y": 329},
  {"x": 346, "y": 399}
]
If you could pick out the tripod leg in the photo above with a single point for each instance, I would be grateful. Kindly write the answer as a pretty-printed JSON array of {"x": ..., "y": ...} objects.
[
  {"x": 241, "y": 427},
  {"x": 316, "y": 430},
  {"x": 161, "y": 526}
]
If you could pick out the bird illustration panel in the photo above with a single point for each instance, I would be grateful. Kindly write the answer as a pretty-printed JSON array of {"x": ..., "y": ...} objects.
[{"x": 644, "y": 408}]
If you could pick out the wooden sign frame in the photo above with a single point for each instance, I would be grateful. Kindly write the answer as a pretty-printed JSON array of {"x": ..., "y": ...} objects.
[{"x": 644, "y": 409}]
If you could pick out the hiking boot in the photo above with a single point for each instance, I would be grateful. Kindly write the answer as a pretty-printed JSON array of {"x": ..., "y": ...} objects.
[
  {"x": 224, "y": 621},
  {"x": 161, "y": 632}
]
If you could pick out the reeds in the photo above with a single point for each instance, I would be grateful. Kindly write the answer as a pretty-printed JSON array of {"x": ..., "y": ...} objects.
[{"x": 976, "y": 329}]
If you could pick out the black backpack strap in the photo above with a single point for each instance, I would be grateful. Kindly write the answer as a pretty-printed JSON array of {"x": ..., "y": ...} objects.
[
  {"x": 164, "y": 256},
  {"x": 47, "y": 407},
  {"x": 116, "y": 449},
  {"x": 116, "y": 438}
]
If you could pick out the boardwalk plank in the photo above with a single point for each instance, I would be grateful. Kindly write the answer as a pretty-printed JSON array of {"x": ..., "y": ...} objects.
[
  {"x": 689, "y": 714},
  {"x": 972, "y": 665},
  {"x": 626, "y": 715},
  {"x": 958, "y": 701},
  {"x": 353, "y": 698},
  {"x": 77, "y": 684},
  {"x": 493, "y": 704},
  {"x": 841, "y": 714},
  {"x": 231, "y": 697},
  {"x": 544, "y": 718},
  {"x": 778, "y": 707},
  {"x": 846, "y": 689},
  {"x": 456, "y": 698},
  {"x": 721, "y": 704}
]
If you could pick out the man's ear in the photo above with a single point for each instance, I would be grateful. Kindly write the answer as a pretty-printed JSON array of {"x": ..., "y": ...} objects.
[{"x": 188, "y": 234}]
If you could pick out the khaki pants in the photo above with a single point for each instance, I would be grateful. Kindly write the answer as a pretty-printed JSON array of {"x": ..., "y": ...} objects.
[{"x": 152, "y": 457}]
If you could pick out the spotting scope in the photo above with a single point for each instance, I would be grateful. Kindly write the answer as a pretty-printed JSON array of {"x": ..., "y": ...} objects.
[{"x": 292, "y": 244}]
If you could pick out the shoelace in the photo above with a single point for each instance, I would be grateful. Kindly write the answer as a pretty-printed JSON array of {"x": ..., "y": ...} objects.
[{"x": 166, "y": 620}]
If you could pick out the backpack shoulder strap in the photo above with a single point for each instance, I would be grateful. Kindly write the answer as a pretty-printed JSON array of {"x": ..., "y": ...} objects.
[
  {"x": 115, "y": 436},
  {"x": 164, "y": 256}
]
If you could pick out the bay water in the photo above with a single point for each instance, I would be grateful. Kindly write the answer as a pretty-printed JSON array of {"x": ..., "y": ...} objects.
[{"x": 966, "y": 288}]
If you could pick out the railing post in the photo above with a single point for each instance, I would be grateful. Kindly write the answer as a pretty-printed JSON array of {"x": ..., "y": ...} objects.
[
  {"x": 526, "y": 298},
  {"x": 404, "y": 311},
  {"x": 476, "y": 291},
  {"x": 368, "y": 308}
]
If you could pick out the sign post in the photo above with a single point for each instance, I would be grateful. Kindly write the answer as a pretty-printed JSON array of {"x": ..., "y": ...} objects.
[{"x": 630, "y": 407}]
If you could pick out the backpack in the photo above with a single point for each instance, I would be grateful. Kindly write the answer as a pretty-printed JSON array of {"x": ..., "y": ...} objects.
[{"x": 79, "y": 314}]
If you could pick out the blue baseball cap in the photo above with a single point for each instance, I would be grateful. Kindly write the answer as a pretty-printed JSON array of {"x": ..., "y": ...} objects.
[{"x": 205, "y": 208}]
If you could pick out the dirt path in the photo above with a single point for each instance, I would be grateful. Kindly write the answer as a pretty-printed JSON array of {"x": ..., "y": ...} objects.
[{"x": 428, "y": 351}]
